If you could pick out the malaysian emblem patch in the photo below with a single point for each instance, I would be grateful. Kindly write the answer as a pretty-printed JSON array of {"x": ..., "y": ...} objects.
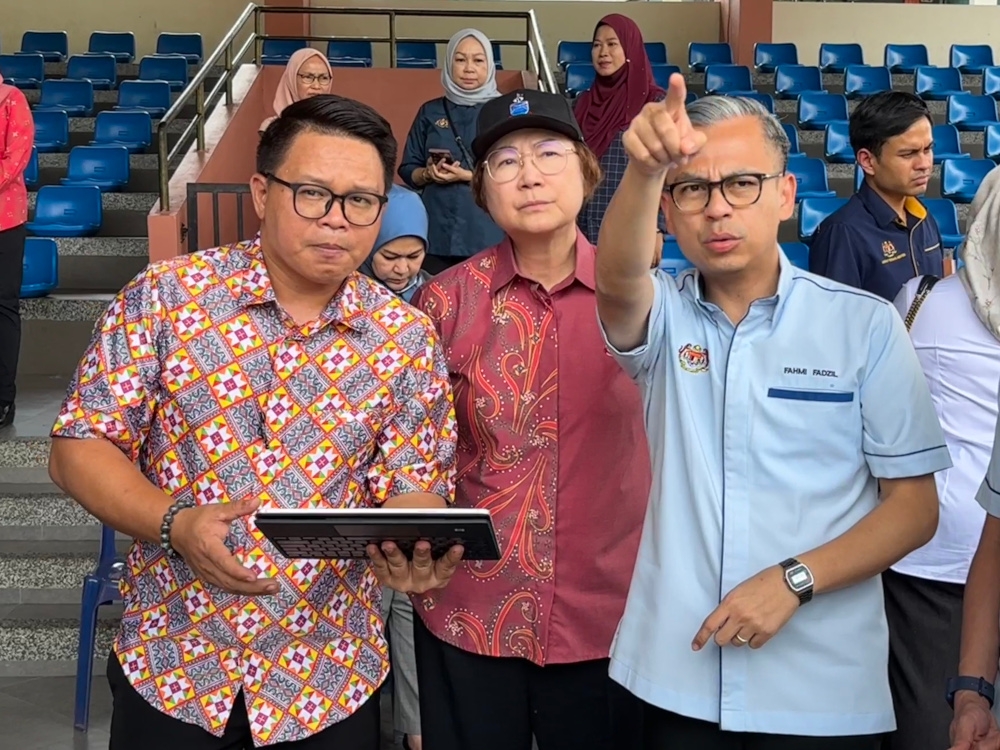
[{"x": 694, "y": 358}]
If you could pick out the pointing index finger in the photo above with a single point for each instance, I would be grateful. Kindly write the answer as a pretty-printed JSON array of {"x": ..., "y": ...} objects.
[{"x": 676, "y": 96}]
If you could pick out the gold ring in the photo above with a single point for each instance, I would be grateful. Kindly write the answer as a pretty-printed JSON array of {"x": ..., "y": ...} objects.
[{"x": 741, "y": 639}]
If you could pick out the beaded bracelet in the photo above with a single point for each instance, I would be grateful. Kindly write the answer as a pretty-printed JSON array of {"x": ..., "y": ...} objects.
[{"x": 168, "y": 522}]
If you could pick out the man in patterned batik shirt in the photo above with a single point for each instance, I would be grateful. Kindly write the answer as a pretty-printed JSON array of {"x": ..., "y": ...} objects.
[{"x": 263, "y": 374}]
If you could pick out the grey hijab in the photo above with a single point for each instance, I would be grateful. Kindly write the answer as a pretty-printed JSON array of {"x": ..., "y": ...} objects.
[
  {"x": 455, "y": 93},
  {"x": 981, "y": 253}
]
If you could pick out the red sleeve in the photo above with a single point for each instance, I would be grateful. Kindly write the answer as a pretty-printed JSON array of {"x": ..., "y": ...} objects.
[{"x": 18, "y": 135}]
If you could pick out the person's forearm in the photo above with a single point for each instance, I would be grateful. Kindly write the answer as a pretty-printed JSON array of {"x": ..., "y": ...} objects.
[
  {"x": 981, "y": 607},
  {"x": 111, "y": 488},
  {"x": 415, "y": 500},
  {"x": 419, "y": 176},
  {"x": 904, "y": 520},
  {"x": 627, "y": 231}
]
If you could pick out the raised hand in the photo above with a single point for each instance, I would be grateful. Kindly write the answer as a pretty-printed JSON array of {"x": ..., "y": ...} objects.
[
  {"x": 199, "y": 537},
  {"x": 661, "y": 134}
]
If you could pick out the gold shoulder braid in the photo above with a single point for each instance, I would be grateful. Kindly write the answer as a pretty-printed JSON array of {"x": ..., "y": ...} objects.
[{"x": 926, "y": 284}]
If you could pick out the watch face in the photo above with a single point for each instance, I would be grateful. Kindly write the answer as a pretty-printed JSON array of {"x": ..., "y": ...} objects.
[{"x": 799, "y": 578}]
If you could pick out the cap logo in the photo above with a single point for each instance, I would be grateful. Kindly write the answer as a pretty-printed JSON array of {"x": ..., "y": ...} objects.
[{"x": 519, "y": 107}]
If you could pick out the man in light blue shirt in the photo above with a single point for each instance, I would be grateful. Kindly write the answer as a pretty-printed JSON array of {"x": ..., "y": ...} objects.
[{"x": 776, "y": 403}]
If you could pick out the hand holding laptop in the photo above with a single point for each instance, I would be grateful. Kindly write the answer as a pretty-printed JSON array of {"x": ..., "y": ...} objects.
[{"x": 422, "y": 573}]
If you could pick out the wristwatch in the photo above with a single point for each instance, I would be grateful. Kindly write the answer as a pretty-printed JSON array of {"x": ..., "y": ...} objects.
[
  {"x": 975, "y": 684},
  {"x": 799, "y": 579}
]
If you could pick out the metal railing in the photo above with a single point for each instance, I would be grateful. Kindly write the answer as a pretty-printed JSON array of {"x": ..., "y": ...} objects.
[
  {"x": 229, "y": 57},
  {"x": 216, "y": 189}
]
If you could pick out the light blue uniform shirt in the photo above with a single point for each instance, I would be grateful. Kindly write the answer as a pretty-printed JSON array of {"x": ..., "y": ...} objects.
[{"x": 766, "y": 441}]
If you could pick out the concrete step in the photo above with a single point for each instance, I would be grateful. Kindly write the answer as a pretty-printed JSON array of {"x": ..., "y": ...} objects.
[
  {"x": 140, "y": 180},
  {"x": 56, "y": 331},
  {"x": 44, "y": 578},
  {"x": 100, "y": 264},
  {"x": 42, "y": 640}
]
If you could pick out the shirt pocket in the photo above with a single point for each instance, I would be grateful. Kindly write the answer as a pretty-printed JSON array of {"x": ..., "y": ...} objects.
[
  {"x": 812, "y": 396},
  {"x": 932, "y": 248},
  {"x": 813, "y": 427}
]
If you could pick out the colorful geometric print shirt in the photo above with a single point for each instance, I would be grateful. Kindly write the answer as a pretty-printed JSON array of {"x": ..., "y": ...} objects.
[{"x": 197, "y": 375}]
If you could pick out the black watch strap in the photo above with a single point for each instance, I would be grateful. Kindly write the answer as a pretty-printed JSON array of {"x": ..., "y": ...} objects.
[
  {"x": 977, "y": 685},
  {"x": 804, "y": 595}
]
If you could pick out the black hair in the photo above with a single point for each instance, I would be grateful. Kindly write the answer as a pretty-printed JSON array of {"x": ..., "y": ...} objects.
[
  {"x": 331, "y": 115},
  {"x": 885, "y": 115}
]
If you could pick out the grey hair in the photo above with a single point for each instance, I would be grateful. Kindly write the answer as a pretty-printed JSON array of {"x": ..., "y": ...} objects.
[{"x": 710, "y": 110}]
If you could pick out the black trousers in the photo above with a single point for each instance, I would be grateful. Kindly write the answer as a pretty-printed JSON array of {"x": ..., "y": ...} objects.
[
  {"x": 136, "y": 725},
  {"x": 664, "y": 730},
  {"x": 11, "y": 271},
  {"x": 925, "y": 634},
  {"x": 473, "y": 702}
]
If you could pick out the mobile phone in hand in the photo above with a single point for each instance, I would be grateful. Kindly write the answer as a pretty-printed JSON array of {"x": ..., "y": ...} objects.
[{"x": 439, "y": 155}]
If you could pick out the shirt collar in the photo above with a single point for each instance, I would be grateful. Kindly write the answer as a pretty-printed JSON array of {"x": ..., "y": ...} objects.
[
  {"x": 786, "y": 274},
  {"x": 882, "y": 212},
  {"x": 506, "y": 265},
  {"x": 252, "y": 286}
]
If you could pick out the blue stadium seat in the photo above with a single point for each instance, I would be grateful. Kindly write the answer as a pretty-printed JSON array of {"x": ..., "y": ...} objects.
[
  {"x": 791, "y": 80},
  {"x": 904, "y": 58},
  {"x": 837, "y": 143},
  {"x": 52, "y": 45},
  {"x": 947, "y": 144},
  {"x": 170, "y": 68},
  {"x": 277, "y": 51},
  {"x": 971, "y": 58},
  {"x": 349, "y": 53},
  {"x": 672, "y": 260},
  {"x": 813, "y": 211},
  {"x": 67, "y": 212},
  {"x": 703, "y": 54},
  {"x": 793, "y": 139},
  {"x": 188, "y": 45},
  {"x": 937, "y": 83},
  {"x": 568, "y": 53},
  {"x": 51, "y": 131},
  {"x": 946, "y": 215},
  {"x": 865, "y": 80},
  {"x": 152, "y": 97},
  {"x": 121, "y": 44},
  {"x": 40, "y": 274},
  {"x": 105, "y": 167},
  {"x": 656, "y": 52},
  {"x": 768, "y": 55},
  {"x": 991, "y": 82},
  {"x": 23, "y": 71},
  {"x": 728, "y": 79},
  {"x": 810, "y": 177},
  {"x": 416, "y": 55},
  {"x": 662, "y": 73},
  {"x": 497, "y": 56},
  {"x": 100, "y": 69},
  {"x": 75, "y": 98},
  {"x": 816, "y": 109},
  {"x": 31, "y": 174},
  {"x": 765, "y": 99},
  {"x": 579, "y": 78},
  {"x": 971, "y": 112},
  {"x": 991, "y": 142},
  {"x": 834, "y": 58},
  {"x": 797, "y": 254},
  {"x": 960, "y": 179},
  {"x": 133, "y": 130}
]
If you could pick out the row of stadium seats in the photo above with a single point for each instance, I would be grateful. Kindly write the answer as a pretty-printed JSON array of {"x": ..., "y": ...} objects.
[
  {"x": 130, "y": 128},
  {"x": 76, "y": 98},
  {"x": 833, "y": 58},
  {"x": 106, "y": 167},
  {"x": 27, "y": 71},
  {"x": 343, "y": 54},
  {"x": 54, "y": 45}
]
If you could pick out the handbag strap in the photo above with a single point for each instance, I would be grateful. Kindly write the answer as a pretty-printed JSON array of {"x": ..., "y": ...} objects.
[
  {"x": 923, "y": 289},
  {"x": 458, "y": 139}
]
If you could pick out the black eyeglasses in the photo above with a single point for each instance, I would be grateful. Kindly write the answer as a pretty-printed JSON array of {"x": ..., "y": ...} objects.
[
  {"x": 315, "y": 201},
  {"x": 739, "y": 190}
]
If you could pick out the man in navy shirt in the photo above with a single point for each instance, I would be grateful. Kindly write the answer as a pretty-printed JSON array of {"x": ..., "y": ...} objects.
[{"x": 884, "y": 236}]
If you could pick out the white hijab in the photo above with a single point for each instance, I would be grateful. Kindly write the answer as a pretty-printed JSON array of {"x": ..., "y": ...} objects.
[
  {"x": 980, "y": 253},
  {"x": 469, "y": 97}
]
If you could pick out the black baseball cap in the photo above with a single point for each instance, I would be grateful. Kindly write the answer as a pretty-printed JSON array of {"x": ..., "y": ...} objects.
[{"x": 524, "y": 109}]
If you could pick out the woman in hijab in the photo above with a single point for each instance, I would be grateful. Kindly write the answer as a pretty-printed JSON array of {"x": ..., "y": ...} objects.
[
  {"x": 624, "y": 84},
  {"x": 955, "y": 327},
  {"x": 437, "y": 161},
  {"x": 308, "y": 73},
  {"x": 400, "y": 246},
  {"x": 17, "y": 134}
]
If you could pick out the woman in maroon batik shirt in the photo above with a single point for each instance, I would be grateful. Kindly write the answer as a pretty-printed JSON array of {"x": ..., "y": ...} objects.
[{"x": 551, "y": 440}]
